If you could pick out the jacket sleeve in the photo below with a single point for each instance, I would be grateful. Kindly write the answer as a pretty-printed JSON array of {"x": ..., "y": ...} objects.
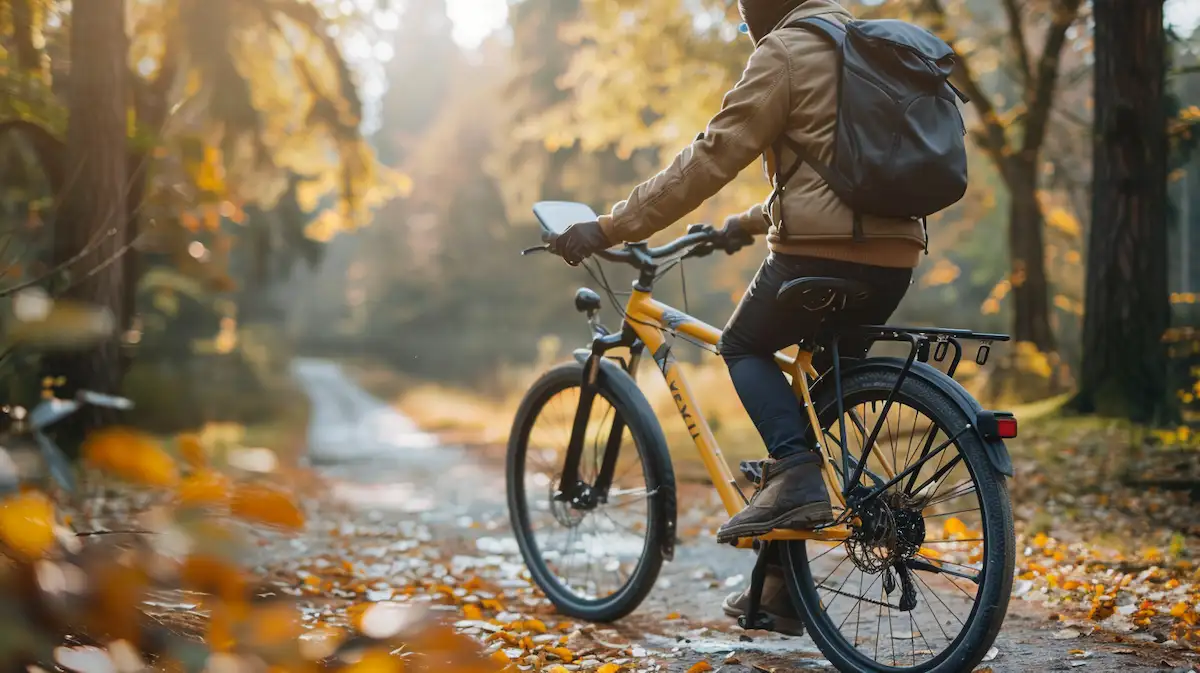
[
  {"x": 753, "y": 115},
  {"x": 755, "y": 221}
]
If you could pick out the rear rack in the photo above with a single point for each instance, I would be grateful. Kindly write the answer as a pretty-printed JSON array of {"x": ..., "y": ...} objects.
[
  {"x": 939, "y": 338},
  {"x": 921, "y": 341}
]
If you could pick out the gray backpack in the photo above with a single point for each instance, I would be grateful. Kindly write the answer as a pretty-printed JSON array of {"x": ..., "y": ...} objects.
[{"x": 899, "y": 145}]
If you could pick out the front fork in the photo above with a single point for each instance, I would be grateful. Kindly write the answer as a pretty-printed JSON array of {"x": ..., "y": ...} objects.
[{"x": 570, "y": 488}]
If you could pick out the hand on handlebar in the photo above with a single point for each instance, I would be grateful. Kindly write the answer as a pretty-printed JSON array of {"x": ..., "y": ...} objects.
[
  {"x": 733, "y": 236},
  {"x": 578, "y": 242}
]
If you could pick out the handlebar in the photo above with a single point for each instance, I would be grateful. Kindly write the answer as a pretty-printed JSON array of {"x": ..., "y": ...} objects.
[
  {"x": 700, "y": 241},
  {"x": 641, "y": 255}
]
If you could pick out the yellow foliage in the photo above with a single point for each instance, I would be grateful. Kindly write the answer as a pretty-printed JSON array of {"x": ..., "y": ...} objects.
[
  {"x": 608, "y": 668},
  {"x": 266, "y": 504},
  {"x": 131, "y": 455},
  {"x": 943, "y": 272},
  {"x": 27, "y": 524},
  {"x": 1069, "y": 305},
  {"x": 1030, "y": 359},
  {"x": 1060, "y": 219}
]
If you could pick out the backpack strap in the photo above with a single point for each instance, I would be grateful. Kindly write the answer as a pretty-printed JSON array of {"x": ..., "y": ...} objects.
[
  {"x": 832, "y": 30},
  {"x": 836, "y": 34}
]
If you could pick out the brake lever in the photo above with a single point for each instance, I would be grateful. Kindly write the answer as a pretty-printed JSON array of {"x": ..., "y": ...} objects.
[{"x": 536, "y": 248}]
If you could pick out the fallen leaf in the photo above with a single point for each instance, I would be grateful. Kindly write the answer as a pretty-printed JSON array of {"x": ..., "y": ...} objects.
[
  {"x": 266, "y": 504},
  {"x": 608, "y": 668},
  {"x": 131, "y": 455},
  {"x": 992, "y": 653},
  {"x": 27, "y": 524},
  {"x": 700, "y": 667},
  {"x": 673, "y": 615}
]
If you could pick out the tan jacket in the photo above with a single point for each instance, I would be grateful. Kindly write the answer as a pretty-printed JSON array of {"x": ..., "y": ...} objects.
[{"x": 789, "y": 86}]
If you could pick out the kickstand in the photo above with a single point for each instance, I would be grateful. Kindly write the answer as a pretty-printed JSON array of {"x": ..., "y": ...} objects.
[{"x": 753, "y": 619}]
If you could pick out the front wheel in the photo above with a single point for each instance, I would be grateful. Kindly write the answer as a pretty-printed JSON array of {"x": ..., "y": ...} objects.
[
  {"x": 595, "y": 556},
  {"x": 923, "y": 583}
]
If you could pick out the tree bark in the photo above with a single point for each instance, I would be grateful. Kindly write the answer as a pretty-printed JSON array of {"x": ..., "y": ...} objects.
[
  {"x": 1127, "y": 310},
  {"x": 92, "y": 213},
  {"x": 1030, "y": 290}
]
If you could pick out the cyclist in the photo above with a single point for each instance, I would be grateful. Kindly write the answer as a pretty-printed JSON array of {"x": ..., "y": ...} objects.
[{"x": 789, "y": 87}]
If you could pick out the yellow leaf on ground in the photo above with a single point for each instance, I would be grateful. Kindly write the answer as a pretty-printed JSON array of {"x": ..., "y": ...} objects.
[
  {"x": 1179, "y": 609},
  {"x": 212, "y": 574},
  {"x": 700, "y": 667},
  {"x": 192, "y": 450},
  {"x": 204, "y": 487},
  {"x": 27, "y": 524},
  {"x": 376, "y": 661},
  {"x": 131, "y": 455},
  {"x": 471, "y": 611},
  {"x": 266, "y": 504},
  {"x": 954, "y": 527},
  {"x": 608, "y": 668},
  {"x": 673, "y": 615}
]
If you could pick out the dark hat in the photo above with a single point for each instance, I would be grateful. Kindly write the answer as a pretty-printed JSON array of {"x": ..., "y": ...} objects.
[{"x": 762, "y": 15}]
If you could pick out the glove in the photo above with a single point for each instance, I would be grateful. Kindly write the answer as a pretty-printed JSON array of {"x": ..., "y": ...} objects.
[
  {"x": 579, "y": 241},
  {"x": 733, "y": 236}
]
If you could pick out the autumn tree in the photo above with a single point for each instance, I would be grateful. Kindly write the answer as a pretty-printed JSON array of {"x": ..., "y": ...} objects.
[
  {"x": 1014, "y": 140},
  {"x": 1124, "y": 361}
]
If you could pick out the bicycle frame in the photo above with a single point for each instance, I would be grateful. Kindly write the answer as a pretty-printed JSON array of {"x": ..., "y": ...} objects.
[{"x": 646, "y": 320}]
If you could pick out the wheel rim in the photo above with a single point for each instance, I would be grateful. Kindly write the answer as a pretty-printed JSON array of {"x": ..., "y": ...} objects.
[
  {"x": 916, "y": 524},
  {"x": 589, "y": 555}
]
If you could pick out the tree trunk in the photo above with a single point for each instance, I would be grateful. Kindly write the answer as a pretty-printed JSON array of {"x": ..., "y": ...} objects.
[
  {"x": 92, "y": 213},
  {"x": 1031, "y": 308},
  {"x": 1124, "y": 359},
  {"x": 29, "y": 56}
]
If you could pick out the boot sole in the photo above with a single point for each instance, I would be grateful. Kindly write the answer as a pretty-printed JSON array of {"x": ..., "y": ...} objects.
[
  {"x": 788, "y": 626},
  {"x": 805, "y": 517}
]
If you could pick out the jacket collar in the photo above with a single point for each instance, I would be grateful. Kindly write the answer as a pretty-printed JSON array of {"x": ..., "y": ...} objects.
[{"x": 812, "y": 8}]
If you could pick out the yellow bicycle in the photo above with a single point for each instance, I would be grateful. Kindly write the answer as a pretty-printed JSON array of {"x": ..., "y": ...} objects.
[{"x": 916, "y": 571}]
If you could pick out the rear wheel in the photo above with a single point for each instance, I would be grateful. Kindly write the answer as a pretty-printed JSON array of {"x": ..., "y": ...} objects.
[
  {"x": 924, "y": 581},
  {"x": 596, "y": 560}
]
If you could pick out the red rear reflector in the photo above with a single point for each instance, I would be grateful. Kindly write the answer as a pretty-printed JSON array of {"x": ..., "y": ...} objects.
[{"x": 1006, "y": 428}]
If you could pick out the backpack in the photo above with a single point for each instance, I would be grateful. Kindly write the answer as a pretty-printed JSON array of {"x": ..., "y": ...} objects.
[{"x": 899, "y": 147}]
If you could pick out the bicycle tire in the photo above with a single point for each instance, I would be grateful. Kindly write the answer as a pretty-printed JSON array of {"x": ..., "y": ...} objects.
[
  {"x": 622, "y": 393},
  {"x": 937, "y": 399}
]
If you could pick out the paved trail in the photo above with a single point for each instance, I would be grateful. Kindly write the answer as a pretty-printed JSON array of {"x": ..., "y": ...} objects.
[{"x": 379, "y": 462}]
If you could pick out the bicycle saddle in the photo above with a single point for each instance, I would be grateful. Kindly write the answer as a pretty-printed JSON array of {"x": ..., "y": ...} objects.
[{"x": 819, "y": 292}]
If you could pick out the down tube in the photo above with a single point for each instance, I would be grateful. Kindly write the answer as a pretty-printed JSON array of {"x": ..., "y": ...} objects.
[{"x": 710, "y": 453}]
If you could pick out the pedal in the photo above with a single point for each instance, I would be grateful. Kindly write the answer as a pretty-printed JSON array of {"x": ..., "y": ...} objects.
[
  {"x": 752, "y": 470},
  {"x": 762, "y": 622}
]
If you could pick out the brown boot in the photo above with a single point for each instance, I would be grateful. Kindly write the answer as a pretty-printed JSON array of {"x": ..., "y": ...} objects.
[
  {"x": 775, "y": 602},
  {"x": 792, "y": 496}
]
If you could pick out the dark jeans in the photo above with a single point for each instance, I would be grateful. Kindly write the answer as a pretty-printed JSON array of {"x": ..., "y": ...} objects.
[{"x": 760, "y": 326}]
